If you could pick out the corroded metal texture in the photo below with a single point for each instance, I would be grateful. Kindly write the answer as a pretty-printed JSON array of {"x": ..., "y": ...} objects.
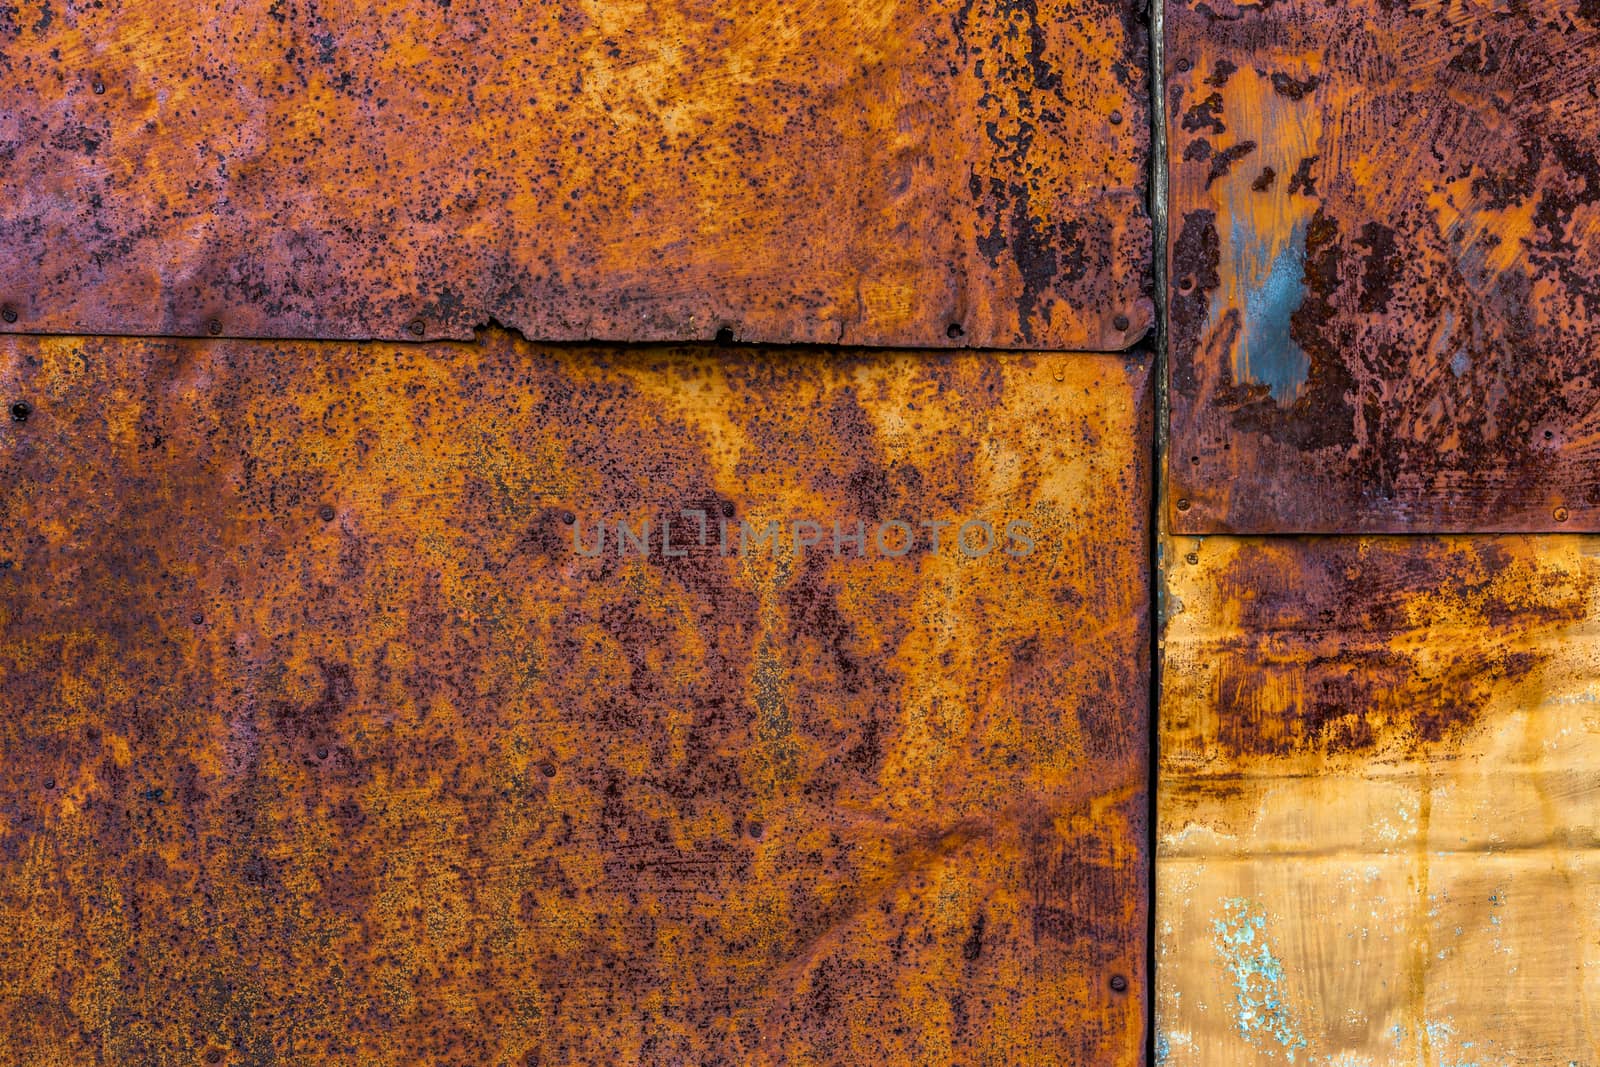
[
  {"x": 324, "y": 741},
  {"x": 960, "y": 172},
  {"x": 1378, "y": 807},
  {"x": 1384, "y": 247}
]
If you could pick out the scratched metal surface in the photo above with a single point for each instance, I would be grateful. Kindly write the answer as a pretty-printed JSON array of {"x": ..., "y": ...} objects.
[
  {"x": 321, "y": 743},
  {"x": 1378, "y": 813},
  {"x": 1384, "y": 246},
  {"x": 961, "y": 172}
]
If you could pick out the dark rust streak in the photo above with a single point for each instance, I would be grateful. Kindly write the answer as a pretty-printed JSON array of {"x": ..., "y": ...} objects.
[{"x": 1324, "y": 652}]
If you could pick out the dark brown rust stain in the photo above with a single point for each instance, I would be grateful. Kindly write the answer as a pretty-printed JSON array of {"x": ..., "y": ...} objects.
[
  {"x": 321, "y": 742},
  {"x": 935, "y": 175},
  {"x": 1398, "y": 333},
  {"x": 1305, "y": 654}
]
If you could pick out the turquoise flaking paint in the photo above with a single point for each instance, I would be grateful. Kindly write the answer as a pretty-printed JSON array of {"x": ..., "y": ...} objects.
[
  {"x": 1261, "y": 1009},
  {"x": 1274, "y": 289}
]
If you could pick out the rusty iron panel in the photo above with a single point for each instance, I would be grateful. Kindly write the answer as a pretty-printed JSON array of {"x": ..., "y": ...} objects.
[
  {"x": 324, "y": 740},
  {"x": 1378, "y": 807},
  {"x": 1384, "y": 246},
  {"x": 962, "y": 172}
]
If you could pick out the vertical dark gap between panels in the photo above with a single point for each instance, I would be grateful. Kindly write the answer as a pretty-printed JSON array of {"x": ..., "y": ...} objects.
[{"x": 1158, "y": 237}]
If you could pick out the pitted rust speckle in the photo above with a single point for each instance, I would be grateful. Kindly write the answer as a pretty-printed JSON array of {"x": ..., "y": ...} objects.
[
  {"x": 874, "y": 174},
  {"x": 323, "y": 741},
  {"x": 1390, "y": 215}
]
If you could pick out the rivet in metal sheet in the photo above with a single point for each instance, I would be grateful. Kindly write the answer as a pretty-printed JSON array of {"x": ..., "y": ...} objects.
[
  {"x": 1559, "y": 514},
  {"x": 755, "y": 829},
  {"x": 1184, "y": 64},
  {"x": 322, "y": 753},
  {"x": 1183, "y": 505},
  {"x": 8, "y": 313},
  {"x": 727, "y": 509},
  {"x": 1120, "y": 322},
  {"x": 99, "y": 87},
  {"x": 547, "y": 769},
  {"x": 1194, "y": 460},
  {"x": 417, "y": 327},
  {"x": 325, "y": 513},
  {"x": 20, "y": 411},
  {"x": 1192, "y": 558},
  {"x": 214, "y": 327},
  {"x": 568, "y": 517},
  {"x": 1116, "y": 118},
  {"x": 197, "y": 618},
  {"x": 49, "y": 783},
  {"x": 954, "y": 330},
  {"x": 1119, "y": 984}
]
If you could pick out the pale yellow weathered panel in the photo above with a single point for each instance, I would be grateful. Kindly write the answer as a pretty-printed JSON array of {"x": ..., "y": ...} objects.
[{"x": 1378, "y": 802}]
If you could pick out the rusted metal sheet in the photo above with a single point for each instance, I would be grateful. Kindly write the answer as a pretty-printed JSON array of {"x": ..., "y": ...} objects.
[
  {"x": 326, "y": 739},
  {"x": 1378, "y": 806},
  {"x": 961, "y": 172},
  {"x": 1385, "y": 241}
]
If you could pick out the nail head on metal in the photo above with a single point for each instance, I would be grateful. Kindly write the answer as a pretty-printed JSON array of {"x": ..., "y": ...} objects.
[
  {"x": 1183, "y": 505},
  {"x": 9, "y": 314},
  {"x": 1119, "y": 983},
  {"x": 1120, "y": 322},
  {"x": 20, "y": 411},
  {"x": 417, "y": 327},
  {"x": 1560, "y": 514},
  {"x": 325, "y": 512},
  {"x": 214, "y": 327}
]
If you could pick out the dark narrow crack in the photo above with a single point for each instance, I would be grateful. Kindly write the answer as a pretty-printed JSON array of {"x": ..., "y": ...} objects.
[{"x": 1158, "y": 226}]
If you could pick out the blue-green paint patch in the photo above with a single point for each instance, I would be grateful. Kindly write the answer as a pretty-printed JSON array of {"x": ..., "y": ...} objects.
[
  {"x": 1261, "y": 1010},
  {"x": 1273, "y": 287}
]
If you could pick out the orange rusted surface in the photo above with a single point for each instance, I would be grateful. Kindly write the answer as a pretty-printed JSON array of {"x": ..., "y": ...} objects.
[
  {"x": 961, "y": 172},
  {"x": 324, "y": 741},
  {"x": 1377, "y": 807},
  {"x": 1385, "y": 239}
]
